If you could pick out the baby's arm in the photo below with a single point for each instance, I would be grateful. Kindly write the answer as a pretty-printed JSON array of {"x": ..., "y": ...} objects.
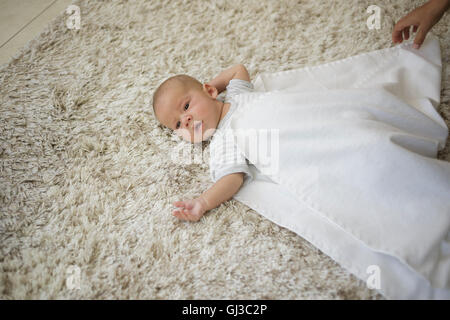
[
  {"x": 221, "y": 191},
  {"x": 235, "y": 72}
]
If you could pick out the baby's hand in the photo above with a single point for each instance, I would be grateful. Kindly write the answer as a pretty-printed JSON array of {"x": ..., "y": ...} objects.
[{"x": 190, "y": 210}]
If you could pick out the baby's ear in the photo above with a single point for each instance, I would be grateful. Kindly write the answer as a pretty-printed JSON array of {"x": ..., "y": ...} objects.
[{"x": 210, "y": 90}]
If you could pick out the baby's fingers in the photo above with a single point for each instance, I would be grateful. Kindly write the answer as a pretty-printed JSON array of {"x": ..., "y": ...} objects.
[
  {"x": 182, "y": 214},
  {"x": 179, "y": 214},
  {"x": 179, "y": 204},
  {"x": 184, "y": 204}
]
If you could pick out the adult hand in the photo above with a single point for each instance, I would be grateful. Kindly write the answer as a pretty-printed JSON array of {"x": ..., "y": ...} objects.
[{"x": 422, "y": 19}]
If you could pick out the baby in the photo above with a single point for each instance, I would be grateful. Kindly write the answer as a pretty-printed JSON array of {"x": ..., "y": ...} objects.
[{"x": 192, "y": 111}]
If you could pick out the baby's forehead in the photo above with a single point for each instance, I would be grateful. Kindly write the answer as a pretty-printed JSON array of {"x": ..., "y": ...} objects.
[
  {"x": 167, "y": 97},
  {"x": 174, "y": 93},
  {"x": 168, "y": 101}
]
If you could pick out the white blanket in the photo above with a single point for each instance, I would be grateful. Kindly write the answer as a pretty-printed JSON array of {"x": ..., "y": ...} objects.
[{"x": 356, "y": 169}]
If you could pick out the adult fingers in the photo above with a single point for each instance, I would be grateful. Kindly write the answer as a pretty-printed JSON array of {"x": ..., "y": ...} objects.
[
  {"x": 406, "y": 33},
  {"x": 421, "y": 34},
  {"x": 397, "y": 36},
  {"x": 397, "y": 33}
]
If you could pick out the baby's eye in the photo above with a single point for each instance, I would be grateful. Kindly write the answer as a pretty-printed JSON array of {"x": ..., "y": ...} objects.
[{"x": 185, "y": 108}]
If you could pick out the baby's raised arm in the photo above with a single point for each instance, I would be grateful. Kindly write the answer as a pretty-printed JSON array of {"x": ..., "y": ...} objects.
[
  {"x": 235, "y": 72},
  {"x": 219, "y": 192}
]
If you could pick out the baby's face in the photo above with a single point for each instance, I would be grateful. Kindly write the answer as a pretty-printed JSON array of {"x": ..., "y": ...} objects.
[{"x": 193, "y": 113}]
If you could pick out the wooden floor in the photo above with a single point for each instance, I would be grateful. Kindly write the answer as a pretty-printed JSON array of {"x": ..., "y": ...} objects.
[{"x": 23, "y": 20}]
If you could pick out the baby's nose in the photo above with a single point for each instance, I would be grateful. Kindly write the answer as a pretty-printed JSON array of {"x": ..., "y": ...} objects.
[{"x": 187, "y": 120}]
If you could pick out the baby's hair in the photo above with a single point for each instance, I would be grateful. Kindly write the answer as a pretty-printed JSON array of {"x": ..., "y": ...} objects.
[{"x": 184, "y": 80}]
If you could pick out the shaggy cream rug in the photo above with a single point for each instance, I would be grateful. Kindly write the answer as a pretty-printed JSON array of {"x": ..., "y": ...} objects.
[{"x": 86, "y": 177}]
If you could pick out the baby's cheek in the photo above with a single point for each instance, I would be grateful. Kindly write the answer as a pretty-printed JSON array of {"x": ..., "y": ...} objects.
[{"x": 184, "y": 134}]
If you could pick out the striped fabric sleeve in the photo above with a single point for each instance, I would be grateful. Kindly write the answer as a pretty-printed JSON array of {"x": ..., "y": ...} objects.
[
  {"x": 237, "y": 86},
  {"x": 225, "y": 157}
]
